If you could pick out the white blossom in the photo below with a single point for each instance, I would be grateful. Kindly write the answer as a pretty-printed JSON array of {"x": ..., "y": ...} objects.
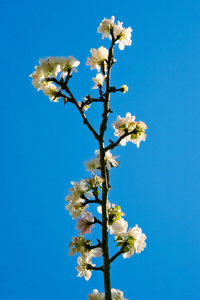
[
  {"x": 124, "y": 88},
  {"x": 84, "y": 223},
  {"x": 96, "y": 295},
  {"x": 83, "y": 246},
  {"x": 82, "y": 267},
  {"x": 76, "y": 209},
  {"x": 106, "y": 26},
  {"x": 98, "y": 80},
  {"x": 68, "y": 65},
  {"x": 79, "y": 189},
  {"x": 50, "y": 90},
  {"x": 94, "y": 164},
  {"x": 50, "y": 66},
  {"x": 123, "y": 35},
  {"x": 98, "y": 58},
  {"x": 116, "y": 295},
  {"x": 128, "y": 124},
  {"x": 140, "y": 135},
  {"x": 97, "y": 252},
  {"x": 136, "y": 241},
  {"x": 119, "y": 227}
]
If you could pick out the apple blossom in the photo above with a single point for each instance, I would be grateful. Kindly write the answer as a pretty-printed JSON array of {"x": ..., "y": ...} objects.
[
  {"x": 124, "y": 88},
  {"x": 98, "y": 80},
  {"x": 85, "y": 223},
  {"x": 77, "y": 191},
  {"x": 68, "y": 65},
  {"x": 98, "y": 58},
  {"x": 123, "y": 35},
  {"x": 96, "y": 295},
  {"x": 76, "y": 209},
  {"x": 106, "y": 26},
  {"x": 94, "y": 164},
  {"x": 116, "y": 295},
  {"x": 95, "y": 189},
  {"x": 82, "y": 266},
  {"x": 119, "y": 227},
  {"x": 50, "y": 90},
  {"x": 128, "y": 124},
  {"x": 83, "y": 246}
]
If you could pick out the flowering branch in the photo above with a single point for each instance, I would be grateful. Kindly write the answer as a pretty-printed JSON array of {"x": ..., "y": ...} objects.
[
  {"x": 73, "y": 100},
  {"x": 126, "y": 129},
  {"x": 97, "y": 200},
  {"x": 117, "y": 143},
  {"x": 90, "y": 267},
  {"x": 118, "y": 253}
]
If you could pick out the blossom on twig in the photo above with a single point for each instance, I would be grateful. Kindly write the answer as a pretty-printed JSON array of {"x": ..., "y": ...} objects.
[
  {"x": 98, "y": 58},
  {"x": 128, "y": 124}
]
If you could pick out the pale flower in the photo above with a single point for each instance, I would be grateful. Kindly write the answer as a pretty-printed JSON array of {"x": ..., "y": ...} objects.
[
  {"x": 97, "y": 252},
  {"x": 119, "y": 227},
  {"x": 98, "y": 80},
  {"x": 140, "y": 135},
  {"x": 85, "y": 223},
  {"x": 128, "y": 124},
  {"x": 94, "y": 164},
  {"x": 38, "y": 77},
  {"x": 50, "y": 90},
  {"x": 109, "y": 159},
  {"x": 136, "y": 241},
  {"x": 77, "y": 191},
  {"x": 124, "y": 88},
  {"x": 98, "y": 58},
  {"x": 123, "y": 35},
  {"x": 68, "y": 65},
  {"x": 76, "y": 209},
  {"x": 82, "y": 267},
  {"x": 106, "y": 26},
  {"x": 82, "y": 246},
  {"x": 117, "y": 295},
  {"x": 96, "y": 295}
]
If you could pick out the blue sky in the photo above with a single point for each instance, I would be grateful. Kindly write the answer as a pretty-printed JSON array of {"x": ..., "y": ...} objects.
[{"x": 44, "y": 146}]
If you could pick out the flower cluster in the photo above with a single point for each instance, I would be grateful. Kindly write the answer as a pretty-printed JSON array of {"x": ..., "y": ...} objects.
[
  {"x": 128, "y": 125},
  {"x": 83, "y": 246},
  {"x": 98, "y": 80},
  {"x": 98, "y": 59},
  {"x": 94, "y": 164},
  {"x": 121, "y": 35},
  {"x": 132, "y": 242},
  {"x": 86, "y": 188},
  {"x": 48, "y": 69},
  {"x": 116, "y": 295},
  {"x": 82, "y": 267},
  {"x": 90, "y": 190},
  {"x": 85, "y": 223}
]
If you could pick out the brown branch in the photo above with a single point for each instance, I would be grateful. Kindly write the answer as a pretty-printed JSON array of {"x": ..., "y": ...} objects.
[
  {"x": 118, "y": 253},
  {"x": 73, "y": 100},
  {"x": 113, "y": 145},
  {"x": 90, "y": 267}
]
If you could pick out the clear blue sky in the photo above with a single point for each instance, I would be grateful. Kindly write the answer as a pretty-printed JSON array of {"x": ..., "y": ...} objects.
[{"x": 44, "y": 145}]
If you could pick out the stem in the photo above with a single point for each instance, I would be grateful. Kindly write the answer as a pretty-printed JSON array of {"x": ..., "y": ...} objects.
[
  {"x": 113, "y": 145},
  {"x": 105, "y": 176},
  {"x": 73, "y": 100},
  {"x": 118, "y": 253}
]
